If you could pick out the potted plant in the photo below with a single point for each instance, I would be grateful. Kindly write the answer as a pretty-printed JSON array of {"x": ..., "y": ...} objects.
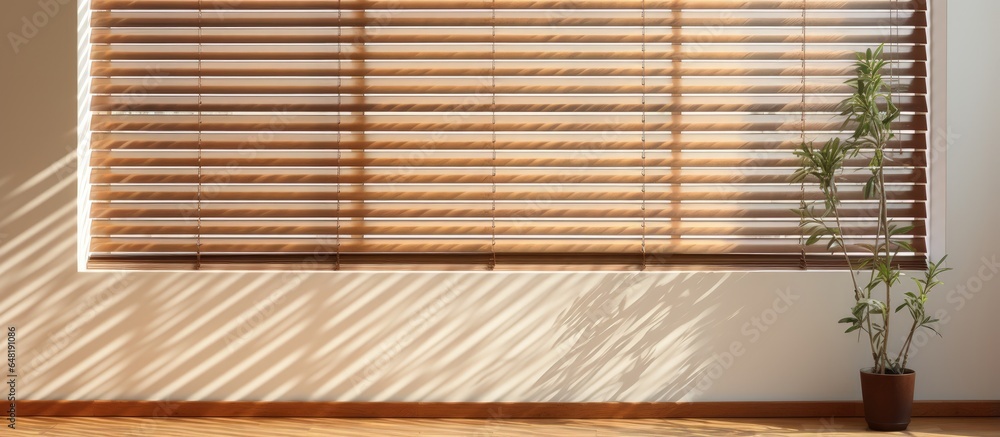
[{"x": 887, "y": 387}]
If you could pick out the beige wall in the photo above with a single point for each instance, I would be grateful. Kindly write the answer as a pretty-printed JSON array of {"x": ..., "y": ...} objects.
[{"x": 457, "y": 336}]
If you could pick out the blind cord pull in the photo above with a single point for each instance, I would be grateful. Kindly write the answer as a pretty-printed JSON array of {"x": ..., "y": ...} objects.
[
  {"x": 340, "y": 34},
  {"x": 643, "y": 138},
  {"x": 493, "y": 139},
  {"x": 803, "y": 260},
  {"x": 197, "y": 262}
]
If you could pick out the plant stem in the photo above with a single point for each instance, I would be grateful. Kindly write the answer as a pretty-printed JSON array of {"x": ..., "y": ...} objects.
[
  {"x": 843, "y": 246},
  {"x": 886, "y": 316},
  {"x": 904, "y": 352},
  {"x": 884, "y": 227},
  {"x": 850, "y": 266}
]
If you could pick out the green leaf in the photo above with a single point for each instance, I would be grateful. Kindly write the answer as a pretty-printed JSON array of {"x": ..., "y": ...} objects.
[
  {"x": 869, "y": 190},
  {"x": 904, "y": 245},
  {"x": 935, "y": 330},
  {"x": 900, "y": 230}
]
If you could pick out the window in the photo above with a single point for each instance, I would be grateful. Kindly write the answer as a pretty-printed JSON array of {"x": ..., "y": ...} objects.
[{"x": 482, "y": 134}]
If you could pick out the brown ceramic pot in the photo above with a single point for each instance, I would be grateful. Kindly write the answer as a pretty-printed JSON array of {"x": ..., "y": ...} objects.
[{"x": 888, "y": 399}]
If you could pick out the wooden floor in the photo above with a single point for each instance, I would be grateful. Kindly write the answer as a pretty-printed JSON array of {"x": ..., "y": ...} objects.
[{"x": 78, "y": 426}]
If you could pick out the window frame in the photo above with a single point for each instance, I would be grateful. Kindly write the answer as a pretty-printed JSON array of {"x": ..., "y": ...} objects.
[{"x": 939, "y": 140}]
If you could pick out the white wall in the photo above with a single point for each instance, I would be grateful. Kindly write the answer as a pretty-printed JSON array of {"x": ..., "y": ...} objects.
[{"x": 459, "y": 336}]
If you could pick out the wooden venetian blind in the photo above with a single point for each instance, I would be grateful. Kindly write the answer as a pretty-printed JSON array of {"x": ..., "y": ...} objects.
[{"x": 481, "y": 134}]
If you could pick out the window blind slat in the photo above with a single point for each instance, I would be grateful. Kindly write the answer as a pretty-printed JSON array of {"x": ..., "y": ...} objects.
[
  {"x": 483, "y": 17},
  {"x": 511, "y": 261},
  {"x": 603, "y": 244},
  {"x": 504, "y": 68},
  {"x": 423, "y": 210},
  {"x": 690, "y": 176},
  {"x": 570, "y": 35},
  {"x": 362, "y": 5},
  {"x": 381, "y": 141},
  {"x": 593, "y": 51},
  {"x": 465, "y": 227}
]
